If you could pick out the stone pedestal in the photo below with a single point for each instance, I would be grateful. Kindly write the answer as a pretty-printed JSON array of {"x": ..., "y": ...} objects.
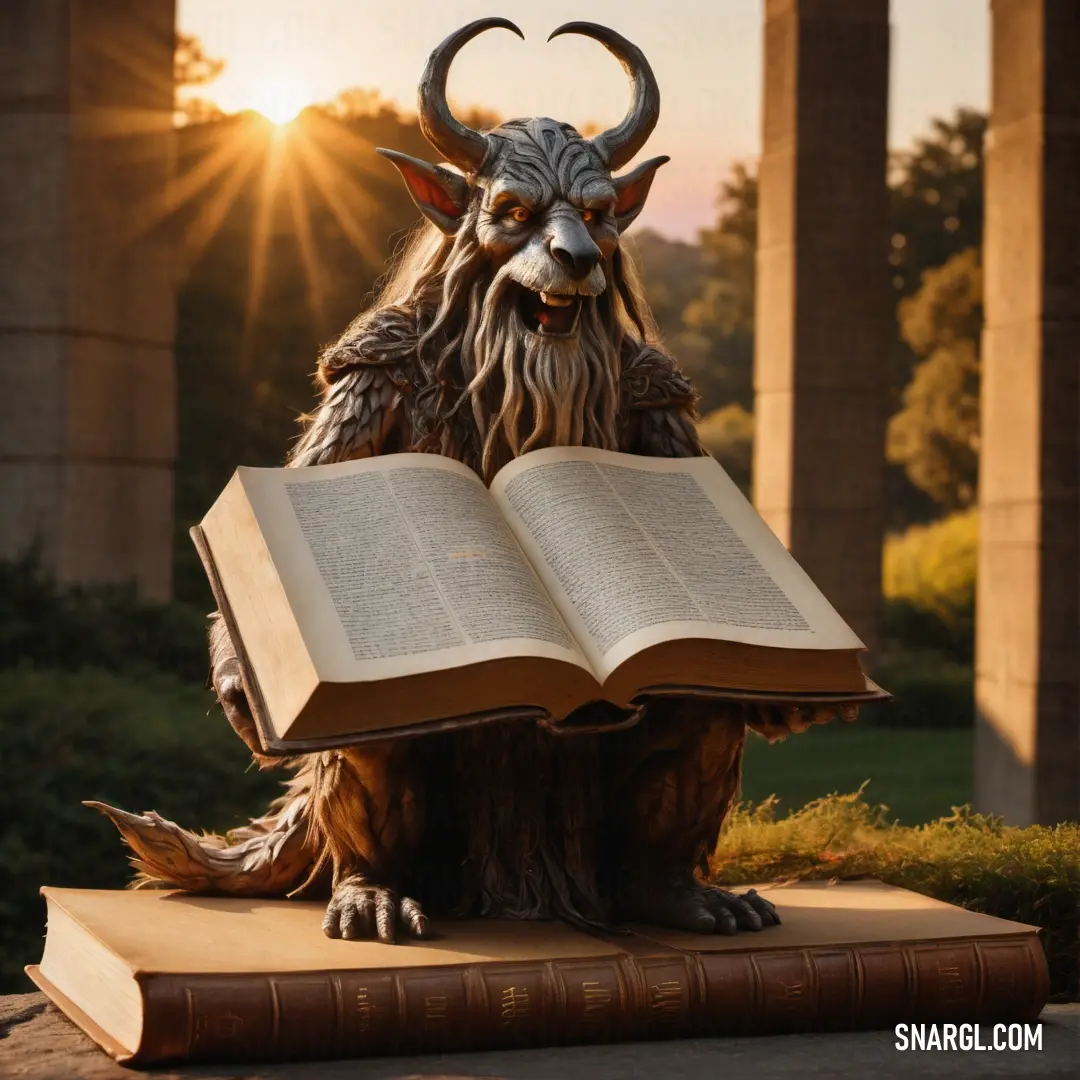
[
  {"x": 823, "y": 304},
  {"x": 87, "y": 388},
  {"x": 1027, "y": 639}
]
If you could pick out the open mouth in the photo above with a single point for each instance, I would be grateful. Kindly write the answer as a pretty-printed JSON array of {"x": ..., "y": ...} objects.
[{"x": 550, "y": 314}]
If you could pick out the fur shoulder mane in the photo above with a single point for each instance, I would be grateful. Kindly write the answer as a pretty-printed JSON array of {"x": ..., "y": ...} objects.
[
  {"x": 651, "y": 379},
  {"x": 380, "y": 337}
]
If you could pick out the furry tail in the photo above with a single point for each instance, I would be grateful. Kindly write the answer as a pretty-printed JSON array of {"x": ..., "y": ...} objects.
[{"x": 273, "y": 856}]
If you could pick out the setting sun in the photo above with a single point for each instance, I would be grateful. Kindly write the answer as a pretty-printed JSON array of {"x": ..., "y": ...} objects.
[{"x": 280, "y": 100}]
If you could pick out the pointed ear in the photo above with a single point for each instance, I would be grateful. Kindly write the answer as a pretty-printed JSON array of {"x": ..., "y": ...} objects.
[
  {"x": 441, "y": 195},
  {"x": 632, "y": 189}
]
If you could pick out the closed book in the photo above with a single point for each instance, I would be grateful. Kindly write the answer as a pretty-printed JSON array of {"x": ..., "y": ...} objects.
[{"x": 165, "y": 976}]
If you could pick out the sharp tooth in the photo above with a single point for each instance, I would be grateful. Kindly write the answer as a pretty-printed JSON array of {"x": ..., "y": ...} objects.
[{"x": 553, "y": 300}]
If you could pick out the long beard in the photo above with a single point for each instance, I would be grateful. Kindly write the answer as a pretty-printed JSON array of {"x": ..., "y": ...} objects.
[{"x": 557, "y": 391}]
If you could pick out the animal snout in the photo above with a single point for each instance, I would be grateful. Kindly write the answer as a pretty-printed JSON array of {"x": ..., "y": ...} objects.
[
  {"x": 577, "y": 261},
  {"x": 575, "y": 251}
]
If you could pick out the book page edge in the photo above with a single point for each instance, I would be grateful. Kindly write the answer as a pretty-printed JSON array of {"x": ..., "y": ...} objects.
[
  {"x": 117, "y": 1051},
  {"x": 280, "y": 695}
]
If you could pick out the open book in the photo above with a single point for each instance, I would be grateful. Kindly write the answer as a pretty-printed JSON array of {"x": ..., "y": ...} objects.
[{"x": 399, "y": 591}]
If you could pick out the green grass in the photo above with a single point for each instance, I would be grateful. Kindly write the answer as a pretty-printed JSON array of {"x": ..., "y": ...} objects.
[
  {"x": 1030, "y": 875},
  {"x": 918, "y": 775}
]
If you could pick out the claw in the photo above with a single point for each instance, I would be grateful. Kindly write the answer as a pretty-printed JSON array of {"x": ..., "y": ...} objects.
[
  {"x": 360, "y": 910},
  {"x": 385, "y": 917},
  {"x": 703, "y": 909},
  {"x": 797, "y": 720},
  {"x": 414, "y": 918},
  {"x": 741, "y": 914},
  {"x": 764, "y": 908}
]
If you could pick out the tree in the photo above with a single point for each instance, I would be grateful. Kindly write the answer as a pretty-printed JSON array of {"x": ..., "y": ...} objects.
[
  {"x": 192, "y": 67},
  {"x": 935, "y": 435},
  {"x": 728, "y": 434},
  {"x": 313, "y": 241},
  {"x": 670, "y": 270},
  {"x": 936, "y": 198},
  {"x": 478, "y": 117},
  {"x": 727, "y": 302},
  {"x": 358, "y": 101},
  {"x": 936, "y": 210},
  {"x": 716, "y": 341},
  {"x": 935, "y": 215}
]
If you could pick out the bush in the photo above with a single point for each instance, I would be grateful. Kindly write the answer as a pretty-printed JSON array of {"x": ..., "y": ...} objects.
[
  {"x": 51, "y": 626},
  {"x": 930, "y": 691},
  {"x": 138, "y": 742},
  {"x": 1031, "y": 875},
  {"x": 728, "y": 434},
  {"x": 928, "y": 578}
]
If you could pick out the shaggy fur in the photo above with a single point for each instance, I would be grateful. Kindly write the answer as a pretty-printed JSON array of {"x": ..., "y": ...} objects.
[{"x": 507, "y": 820}]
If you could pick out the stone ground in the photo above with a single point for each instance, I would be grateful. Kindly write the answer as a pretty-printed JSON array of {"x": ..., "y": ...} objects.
[{"x": 38, "y": 1043}]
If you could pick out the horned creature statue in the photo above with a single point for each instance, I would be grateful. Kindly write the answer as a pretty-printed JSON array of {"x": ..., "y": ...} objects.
[{"x": 512, "y": 322}]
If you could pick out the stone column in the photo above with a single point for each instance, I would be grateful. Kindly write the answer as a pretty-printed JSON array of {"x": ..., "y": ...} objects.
[
  {"x": 87, "y": 388},
  {"x": 1027, "y": 762},
  {"x": 823, "y": 304}
]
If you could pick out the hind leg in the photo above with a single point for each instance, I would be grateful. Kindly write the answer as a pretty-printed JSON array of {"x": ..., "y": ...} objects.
[
  {"x": 354, "y": 815},
  {"x": 365, "y": 813},
  {"x": 671, "y": 783}
]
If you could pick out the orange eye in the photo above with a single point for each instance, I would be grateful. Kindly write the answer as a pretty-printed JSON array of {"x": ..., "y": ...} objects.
[
  {"x": 588, "y": 215},
  {"x": 520, "y": 214}
]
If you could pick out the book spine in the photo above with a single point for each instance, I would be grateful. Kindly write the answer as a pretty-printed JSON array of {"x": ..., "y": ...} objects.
[
  {"x": 350, "y": 1014},
  {"x": 872, "y": 986},
  {"x": 347, "y": 1014}
]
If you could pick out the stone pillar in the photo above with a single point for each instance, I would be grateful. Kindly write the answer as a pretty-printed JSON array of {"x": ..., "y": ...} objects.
[
  {"x": 1027, "y": 762},
  {"x": 823, "y": 305},
  {"x": 87, "y": 387}
]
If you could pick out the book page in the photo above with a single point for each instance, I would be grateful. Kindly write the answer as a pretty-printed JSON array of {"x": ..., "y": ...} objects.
[
  {"x": 640, "y": 550},
  {"x": 400, "y": 565}
]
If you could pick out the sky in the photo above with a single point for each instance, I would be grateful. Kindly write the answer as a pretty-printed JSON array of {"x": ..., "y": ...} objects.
[{"x": 707, "y": 56}]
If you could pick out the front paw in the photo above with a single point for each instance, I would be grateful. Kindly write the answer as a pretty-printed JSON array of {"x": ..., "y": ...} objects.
[
  {"x": 230, "y": 691},
  {"x": 701, "y": 909},
  {"x": 359, "y": 910}
]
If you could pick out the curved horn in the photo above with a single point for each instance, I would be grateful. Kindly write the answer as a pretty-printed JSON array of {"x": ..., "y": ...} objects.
[
  {"x": 461, "y": 145},
  {"x": 619, "y": 144}
]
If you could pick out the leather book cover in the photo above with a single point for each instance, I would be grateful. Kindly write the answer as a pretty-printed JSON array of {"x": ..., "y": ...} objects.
[
  {"x": 872, "y": 693},
  {"x": 848, "y": 956}
]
